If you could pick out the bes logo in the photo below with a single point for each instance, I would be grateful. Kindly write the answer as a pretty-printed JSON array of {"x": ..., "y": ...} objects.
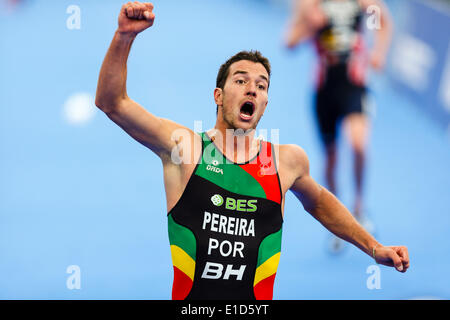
[
  {"x": 241, "y": 205},
  {"x": 217, "y": 200}
]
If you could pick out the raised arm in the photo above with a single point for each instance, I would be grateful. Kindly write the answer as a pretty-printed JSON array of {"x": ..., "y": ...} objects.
[
  {"x": 111, "y": 97},
  {"x": 334, "y": 216}
]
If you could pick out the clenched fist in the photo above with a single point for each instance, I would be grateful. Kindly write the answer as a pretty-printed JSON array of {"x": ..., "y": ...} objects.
[
  {"x": 135, "y": 17},
  {"x": 392, "y": 256}
]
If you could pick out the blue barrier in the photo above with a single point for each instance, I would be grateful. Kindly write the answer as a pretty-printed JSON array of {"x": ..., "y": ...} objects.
[{"x": 419, "y": 62}]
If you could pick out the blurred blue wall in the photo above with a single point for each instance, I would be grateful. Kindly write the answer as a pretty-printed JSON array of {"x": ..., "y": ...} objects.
[{"x": 419, "y": 63}]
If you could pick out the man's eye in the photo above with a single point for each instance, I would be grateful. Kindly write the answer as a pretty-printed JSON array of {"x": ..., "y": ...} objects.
[
  {"x": 240, "y": 81},
  {"x": 262, "y": 87}
]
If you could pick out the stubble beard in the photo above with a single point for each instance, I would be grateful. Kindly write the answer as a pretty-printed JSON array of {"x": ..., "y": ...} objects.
[{"x": 228, "y": 118}]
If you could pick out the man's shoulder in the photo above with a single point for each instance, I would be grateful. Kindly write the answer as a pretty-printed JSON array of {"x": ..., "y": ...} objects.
[
  {"x": 292, "y": 163},
  {"x": 187, "y": 146},
  {"x": 291, "y": 155}
]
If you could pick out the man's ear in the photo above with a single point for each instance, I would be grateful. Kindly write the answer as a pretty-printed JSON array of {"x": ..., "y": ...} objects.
[{"x": 218, "y": 96}]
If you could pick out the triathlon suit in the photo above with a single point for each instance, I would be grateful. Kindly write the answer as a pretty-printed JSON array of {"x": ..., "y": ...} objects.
[
  {"x": 341, "y": 86},
  {"x": 225, "y": 231}
]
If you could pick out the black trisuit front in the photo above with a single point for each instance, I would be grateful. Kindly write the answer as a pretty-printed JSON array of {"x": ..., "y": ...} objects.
[{"x": 225, "y": 231}]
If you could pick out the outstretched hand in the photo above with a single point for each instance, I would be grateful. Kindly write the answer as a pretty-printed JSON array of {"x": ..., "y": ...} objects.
[
  {"x": 393, "y": 256},
  {"x": 135, "y": 17}
]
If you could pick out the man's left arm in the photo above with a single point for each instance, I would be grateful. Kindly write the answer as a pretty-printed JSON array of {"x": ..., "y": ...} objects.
[{"x": 334, "y": 216}]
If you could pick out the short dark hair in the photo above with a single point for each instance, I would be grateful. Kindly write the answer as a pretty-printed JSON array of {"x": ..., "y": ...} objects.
[{"x": 254, "y": 56}]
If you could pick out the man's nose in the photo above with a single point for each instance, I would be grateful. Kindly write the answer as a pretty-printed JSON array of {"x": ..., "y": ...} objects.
[{"x": 251, "y": 89}]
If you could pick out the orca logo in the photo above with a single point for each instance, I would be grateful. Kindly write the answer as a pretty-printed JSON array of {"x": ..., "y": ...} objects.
[{"x": 213, "y": 168}]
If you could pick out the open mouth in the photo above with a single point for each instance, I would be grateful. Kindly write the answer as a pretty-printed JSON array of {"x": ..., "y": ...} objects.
[{"x": 247, "y": 110}]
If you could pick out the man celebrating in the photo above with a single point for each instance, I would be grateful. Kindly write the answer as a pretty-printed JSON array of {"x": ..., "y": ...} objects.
[{"x": 225, "y": 188}]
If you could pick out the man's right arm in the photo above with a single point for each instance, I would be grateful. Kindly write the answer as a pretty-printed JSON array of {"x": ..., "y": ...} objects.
[{"x": 111, "y": 97}]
